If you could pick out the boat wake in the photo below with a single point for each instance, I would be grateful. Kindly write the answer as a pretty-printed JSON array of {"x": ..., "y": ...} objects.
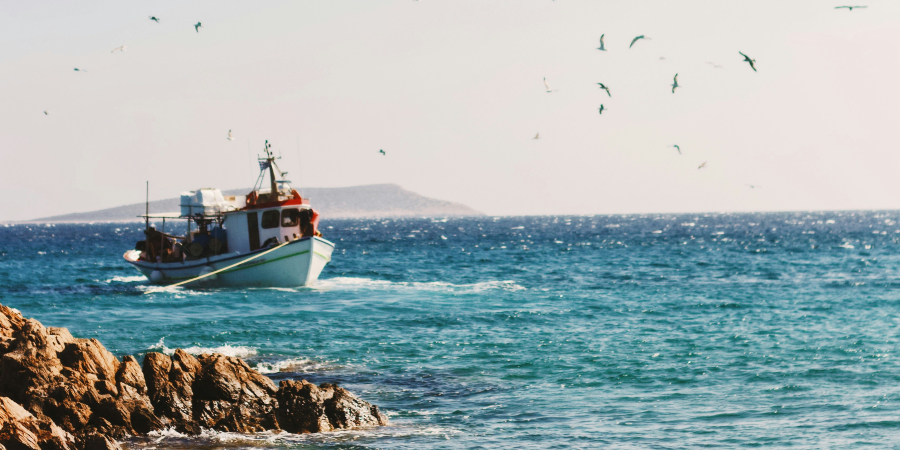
[
  {"x": 133, "y": 279},
  {"x": 349, "y": 283}
]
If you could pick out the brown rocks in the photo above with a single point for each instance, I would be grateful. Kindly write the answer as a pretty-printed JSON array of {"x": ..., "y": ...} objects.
[
  {"x": 58, "y": 392},
  {"x": 307, "y": 408},
  {"x": 19, "y": 429}
]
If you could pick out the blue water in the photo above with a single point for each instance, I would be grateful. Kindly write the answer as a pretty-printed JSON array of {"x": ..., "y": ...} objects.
[{"x": 654, "y": 331}]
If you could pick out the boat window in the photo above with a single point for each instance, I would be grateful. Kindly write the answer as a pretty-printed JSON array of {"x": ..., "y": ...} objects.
[
  {"x": 290, "y": 217},
  {"x": 270, "y": 218}
]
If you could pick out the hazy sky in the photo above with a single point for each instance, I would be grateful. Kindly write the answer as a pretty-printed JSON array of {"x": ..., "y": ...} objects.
[{"x": 452, "y": 91}]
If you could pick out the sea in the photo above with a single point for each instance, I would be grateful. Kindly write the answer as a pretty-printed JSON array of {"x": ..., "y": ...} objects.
[{"x": 747, "y": 330}]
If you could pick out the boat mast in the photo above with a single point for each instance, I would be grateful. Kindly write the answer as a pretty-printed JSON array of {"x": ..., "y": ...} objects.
[
  {"x": 147, "y": 208},
  {"x": 271, "y": 159}
]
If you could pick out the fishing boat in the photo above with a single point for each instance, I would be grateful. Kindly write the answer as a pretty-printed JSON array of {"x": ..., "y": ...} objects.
[{"x": 267, "y": 238}]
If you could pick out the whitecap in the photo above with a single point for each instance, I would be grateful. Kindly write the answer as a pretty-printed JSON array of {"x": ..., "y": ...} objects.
[
  {"x": 281, "y": 437},
  {"x": 133, "y": 279},
  {"x": 302, "y": 365},
  {"x": 239, "y": 351}
]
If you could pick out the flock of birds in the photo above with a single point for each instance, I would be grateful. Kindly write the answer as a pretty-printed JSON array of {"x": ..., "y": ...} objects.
[
  {"x": 750, "y": 61},
  {"x": 674, "y": 85},
  {"x": 122, "y": 48},
  {"x": 602, "y": 47}
]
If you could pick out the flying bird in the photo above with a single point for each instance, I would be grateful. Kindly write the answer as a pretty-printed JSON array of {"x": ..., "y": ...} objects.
[
  {"x": 537, "y": 136},
  {"x": 637, "y": 39},
  {"x": 702, "y": 165},
  {"x": 662, "y": 58},
  {"x": 677, "y": 148},
  {"x": 716, "y": 66},
  {"x": 153, "y": 18},
  {"x": 80, "y": 70},
  {"x": 46, "y": 113},
  {"x": 548, "y": 86},
  {"x": 602, "y": 46},
  {"x": 603, "y": 86},
  {"x": 849, "y": 8},
  {"x": 675, "y": 85},
  {"x": 120, "y": 49},
  {"x": 230, "y": 137},
  {"x": 751, "y": 61},
  {"x": 382, "y": 152},
  {"x": 751, "y": 186},
  {"x": 601, "y": 108},
  {"x": 197, "y": 27}
]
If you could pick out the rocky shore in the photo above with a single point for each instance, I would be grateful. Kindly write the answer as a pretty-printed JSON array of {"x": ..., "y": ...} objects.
[{"x": 58, "y": 392}]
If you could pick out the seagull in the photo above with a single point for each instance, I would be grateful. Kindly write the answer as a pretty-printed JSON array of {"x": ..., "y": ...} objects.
[
  {"x": 197, "y": 27},
  {"x": 382, "y": 152},
  {"x": 603, "y": 86},
  {"x": 120, "y": 48},
  {"x": 548, "y": 86},
  {"x": 80, "y": 70},
  {"x": 662, "y": 58},
  {"x": 537, "y": 136},
  {"x": 46, "y": 113},
  {"x": 849, "y": 8},
  {"x": 153, "y": 18},
  {"x": 230, "y": 138},
  {"x": 602, "y": 46},
  {"x": 675, "y": 85},
  {"x": 636, "y": 39},
  {"x": 751, "y": 61},
  {"x": 715, "y": 66},
  {"x": 752, "y": 186},
  {"x": 601, "y": 108},
  {"x": 702, "y": 165},
  {"x": 677, "y": 148}
]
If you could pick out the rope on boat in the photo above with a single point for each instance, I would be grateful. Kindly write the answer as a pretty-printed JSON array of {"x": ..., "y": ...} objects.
[{"x": 150, "y": 291}]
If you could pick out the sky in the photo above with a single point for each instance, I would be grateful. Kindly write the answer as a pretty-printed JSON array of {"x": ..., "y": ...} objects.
[{"x": 452, "y": 91}]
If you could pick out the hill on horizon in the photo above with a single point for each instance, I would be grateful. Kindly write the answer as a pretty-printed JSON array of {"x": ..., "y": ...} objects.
[{"x": 375, "y": 200}]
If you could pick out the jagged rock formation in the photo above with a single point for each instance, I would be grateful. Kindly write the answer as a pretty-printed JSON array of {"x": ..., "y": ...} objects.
[{"x": 59, "y": 392}]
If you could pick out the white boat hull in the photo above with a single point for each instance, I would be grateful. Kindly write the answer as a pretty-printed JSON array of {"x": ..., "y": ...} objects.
[{"x": 298, "y": 263}]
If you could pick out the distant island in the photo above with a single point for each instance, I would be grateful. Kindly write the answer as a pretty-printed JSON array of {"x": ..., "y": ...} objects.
[{"x": 376, "y": 200}]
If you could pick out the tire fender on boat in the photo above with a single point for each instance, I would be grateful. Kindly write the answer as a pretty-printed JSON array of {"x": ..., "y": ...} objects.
[
  {"x": 156, "y": 277},
  {"x": 205, "y": 270}
]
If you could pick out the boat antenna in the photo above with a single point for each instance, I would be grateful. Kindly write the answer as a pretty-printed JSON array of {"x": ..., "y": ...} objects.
[
  {"x": 299, "y": 167},
  {"x": 147, "y": 208}
]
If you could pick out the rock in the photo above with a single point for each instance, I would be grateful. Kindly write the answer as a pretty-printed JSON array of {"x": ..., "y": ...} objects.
[
  {"x": 58, "y": 392},
  {"x": 307, "y": 408},
  {"x": 97, "y": 441},
  {"x": 216, "y": 392},
  {"x": 130, "y": 373},
  {"x": 169, "y": 387},
  {"x": 301, "y": 407},
  {"x": 19, "y": 429},
  {"x": 90, "y": 357},
  {"x": 346, "y": 411}
]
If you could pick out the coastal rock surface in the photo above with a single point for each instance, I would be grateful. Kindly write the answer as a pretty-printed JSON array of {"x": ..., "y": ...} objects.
[{"x": 59, "y": 392}]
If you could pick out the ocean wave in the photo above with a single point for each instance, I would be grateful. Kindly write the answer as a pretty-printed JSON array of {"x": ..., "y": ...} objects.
[
  {"x": 291, "y": 365},
  {"x": 169, "y": 438},
  {"x": 357, "y": 282},
  {"x": 239, "y": 351}
]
